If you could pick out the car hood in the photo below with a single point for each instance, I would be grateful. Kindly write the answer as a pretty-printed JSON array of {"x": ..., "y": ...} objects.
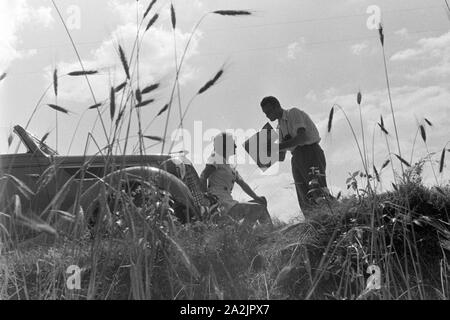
[{"x": 117, "y": 161}]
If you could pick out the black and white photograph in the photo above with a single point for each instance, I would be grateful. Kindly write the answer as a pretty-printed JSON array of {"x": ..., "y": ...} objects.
[{"x": 224, "y": 155}]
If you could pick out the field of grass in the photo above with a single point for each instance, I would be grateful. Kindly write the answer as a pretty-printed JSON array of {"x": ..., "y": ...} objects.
[
  {"x": 372, "y": 245},
  {"x": 325, "y": 258}
]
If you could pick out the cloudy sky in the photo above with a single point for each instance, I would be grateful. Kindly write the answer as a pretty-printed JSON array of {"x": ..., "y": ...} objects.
[{"x": 311, "y": 54}]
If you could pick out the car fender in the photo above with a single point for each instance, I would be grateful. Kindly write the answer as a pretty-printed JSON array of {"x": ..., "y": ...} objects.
[
  {"x": 157, "y": 177},
  {"x": 160, "y": 178}
]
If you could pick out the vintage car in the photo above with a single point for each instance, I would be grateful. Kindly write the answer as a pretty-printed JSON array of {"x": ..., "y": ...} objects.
[{"x": 45, "y": 181}]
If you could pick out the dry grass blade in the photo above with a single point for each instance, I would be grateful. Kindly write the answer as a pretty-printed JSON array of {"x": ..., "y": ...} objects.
[
  {"x": 330, "y": 119},
  {"x": 65, "y": 215},
  {"x": 58, "y": 108},
  {"x": 150, "y": 88},
  {"x": 21, "y": 186},
  {"x": 173, "y": 16},
  {"x": 283, "y": 275},
  {"x": 150, "y": 6},
  {"x": 211, "y": 82},
  {"x": 154, "y": 138},
  {"x": 55, "y": 82},
  {"x": 82, "y": 73},
  {"x": 441, "y": 192},
  {"x": 112, "y": 103},
  {"x": 448, "y": 9},
  {"x": 36, "y": 225},
  {"x": 152, "y": 21},
  {"x": 377, "y": 175},
  {"x": 3, "y": 76},
  {"x": 144, "y": 103},
  {"x": 17, "y": 206},
  {"x": 59, "y": 198},
  {"x": 406, "y": 163},
  {"x": 46, "y": 177},
  {"x": 121, "y": 86},
  {"x": 184, "y": 257},
  {"x": 95, "y": 106},
  {"x": 124, "y": 61},
  {"x": 383, "y": 129},
  {"x": 442, "y": 161},
  {"x": 164, "y": 109},
  {"x": 395, "y": 187},
  {"x": 121, "y": 113},
  {"x": 423, "y": 133},
  {"x": 232, "y": 12}
]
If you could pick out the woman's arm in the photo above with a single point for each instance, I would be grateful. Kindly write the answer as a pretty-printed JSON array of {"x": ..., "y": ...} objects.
[
  {"x": 248, "y": 190},
  {"x": 209, "y": 169}
]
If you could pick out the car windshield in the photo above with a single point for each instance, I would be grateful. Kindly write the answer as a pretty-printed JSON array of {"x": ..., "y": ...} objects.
[{"x": 43, "y": 146}]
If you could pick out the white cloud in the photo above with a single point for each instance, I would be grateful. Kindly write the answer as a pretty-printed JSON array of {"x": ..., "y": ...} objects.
[
  {"x": 405, "y": 55},
  {"x": 156, "y": 59},
  {"x": 411, "y": 104},
  {"x": 426, "y": 48},
  {"x": 433, "y": 54},
  {"x": 15, "y": 15},
  {"x": 402, "y": 32},
  {"x": 295, "y": 48},
  {"x": 186, "y": 10},
  {"x": 311, "y": 96},
  {"x": 358, "y": 48}
]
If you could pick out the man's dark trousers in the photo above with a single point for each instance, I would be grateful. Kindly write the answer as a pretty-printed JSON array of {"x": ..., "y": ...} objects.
[{"x": 303, "y": 159}]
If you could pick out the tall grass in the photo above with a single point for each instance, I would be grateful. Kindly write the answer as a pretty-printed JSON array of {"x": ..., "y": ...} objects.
[{"x": 130, "y": 244}]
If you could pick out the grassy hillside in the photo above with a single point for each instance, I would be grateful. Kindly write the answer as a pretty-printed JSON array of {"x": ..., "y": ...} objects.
[{"x": 403, "y": 233}]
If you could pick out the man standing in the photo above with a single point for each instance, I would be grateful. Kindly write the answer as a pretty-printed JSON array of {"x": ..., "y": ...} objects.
[{"x": 299, "y": 135}]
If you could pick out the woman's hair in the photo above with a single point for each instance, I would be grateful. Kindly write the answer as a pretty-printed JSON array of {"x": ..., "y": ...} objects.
[{"x": 224, "y": 144}]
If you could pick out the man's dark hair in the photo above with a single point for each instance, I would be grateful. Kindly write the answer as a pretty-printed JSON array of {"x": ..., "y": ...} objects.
[{"x": 271, "y": 101}]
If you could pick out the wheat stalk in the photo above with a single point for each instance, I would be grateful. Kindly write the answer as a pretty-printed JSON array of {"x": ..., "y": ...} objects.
[
  {"x": 124, "y": 61},
  {"x": 58, "y": 108},
  {"x": 179, "y": 68},
  {"x": 82, "y": 73},
  {"x": 150, "y": 88},
  {"x": 173, "y": 16},
  {"x": 233, "y": 13},
  {"x": 208, "y": 85},
  {"x": 442, "y": 161},
  {"x": 112, "y": 103},
  {"x": 150, "y": 6},
  {"x": 152, "y": 21},
  {"x": 144, "y": 103},
  {"x": 388, "y": 84},
  {"x": 81, "y": 64},
  {"x": 121, "y": 86}
]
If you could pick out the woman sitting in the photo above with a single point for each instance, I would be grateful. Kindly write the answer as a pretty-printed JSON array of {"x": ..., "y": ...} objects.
[{"x": 219, "y": 177}]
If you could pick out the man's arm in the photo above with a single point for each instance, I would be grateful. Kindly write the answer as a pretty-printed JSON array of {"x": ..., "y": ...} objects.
[
  {"x": 291, "y": 143},
  {"x": 209, "y": 169}
]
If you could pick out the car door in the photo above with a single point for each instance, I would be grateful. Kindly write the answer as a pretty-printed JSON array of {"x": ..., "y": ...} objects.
[{"x": 27, "y": 168}]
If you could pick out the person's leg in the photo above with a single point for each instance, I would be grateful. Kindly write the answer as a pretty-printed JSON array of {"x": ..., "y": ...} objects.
[
  {"x": 252, "y": 213},
  {"x": 300, "y": 175},
  {"x": 321, "y": 163}
]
